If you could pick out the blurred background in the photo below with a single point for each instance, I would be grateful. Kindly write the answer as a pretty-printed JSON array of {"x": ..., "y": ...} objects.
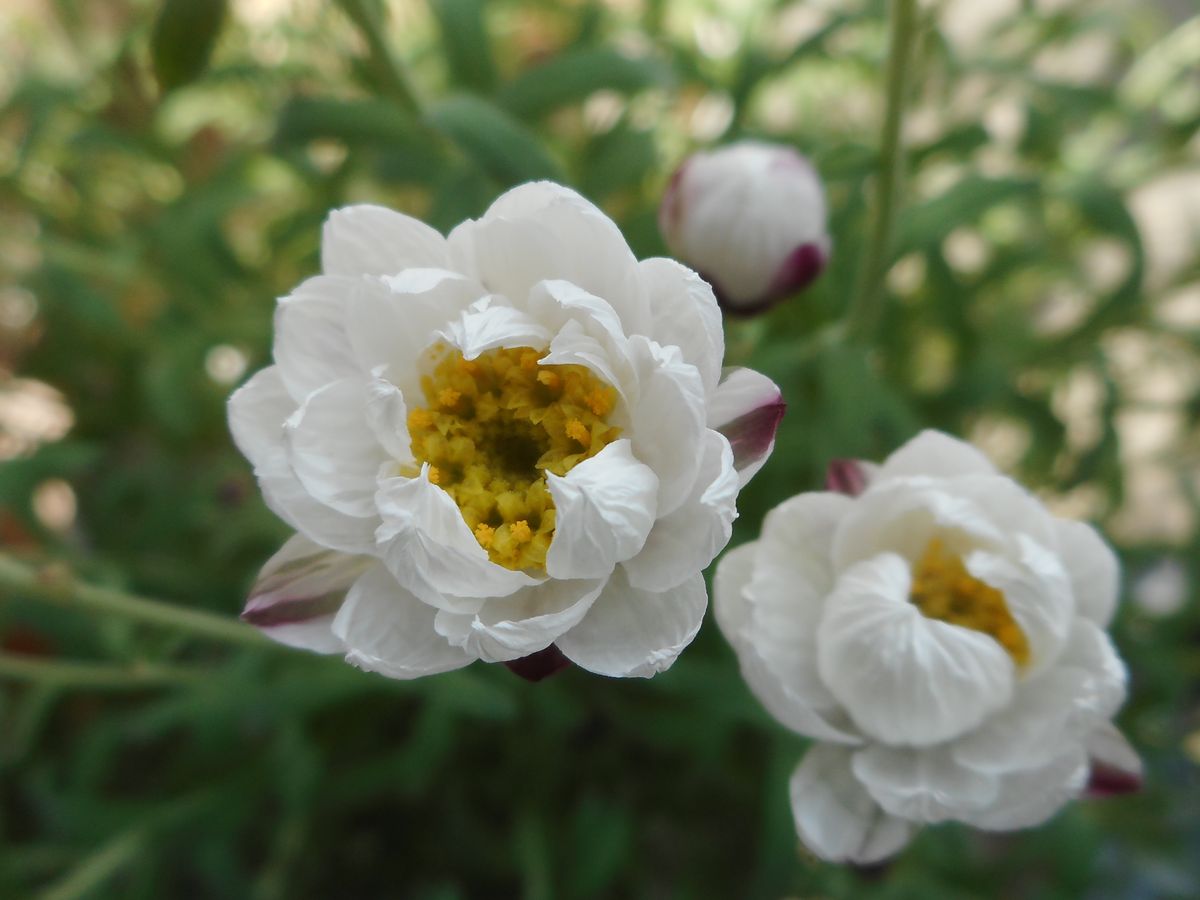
[{"x": 164, "y": 170}]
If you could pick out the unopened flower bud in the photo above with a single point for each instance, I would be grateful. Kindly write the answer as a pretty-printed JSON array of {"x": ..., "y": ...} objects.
[{"x": 750, "y": 218}]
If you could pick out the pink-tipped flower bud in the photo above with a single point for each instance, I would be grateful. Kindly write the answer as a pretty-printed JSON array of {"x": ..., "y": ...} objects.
[{"x": 750, "y": 218}]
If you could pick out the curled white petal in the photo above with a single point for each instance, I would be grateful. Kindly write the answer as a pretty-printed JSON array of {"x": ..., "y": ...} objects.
[
  {"x": 374, "y": 240},
  {"x": 630, "y": 632},
  {"x": 1093, "y": 568},
  {"x": 604, "y": 509},
  {"x": 835, "y": 816}
]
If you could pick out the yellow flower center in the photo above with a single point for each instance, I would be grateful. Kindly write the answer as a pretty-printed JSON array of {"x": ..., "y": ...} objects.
[
  {"x": 943, "y": 589},
  {"x": 493, "y": 426}
]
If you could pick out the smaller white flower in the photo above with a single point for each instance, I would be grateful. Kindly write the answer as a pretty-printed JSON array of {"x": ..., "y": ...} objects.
[
  {"x": 750, "y": 218},
  {"x": 942, "y": 637}
]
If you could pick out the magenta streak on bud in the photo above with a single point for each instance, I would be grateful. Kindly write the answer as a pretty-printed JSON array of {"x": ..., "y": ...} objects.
[
  {"x": 799, "y": 269},
  {"x": 846, "y": 476},
  {"x": 751, "y": 435},
  {"x": 537, "y": 666},
  {"x": 264, "y": 611},
  {"x": 671, "y": 208},
  {"x": 1110, "y": 781}
]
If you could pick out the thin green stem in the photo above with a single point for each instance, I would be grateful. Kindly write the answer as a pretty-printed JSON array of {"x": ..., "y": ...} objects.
[
  {"x": 393, "y": 78},
  {"x": 54, "y": 584},
  {"x": 99, "y": 676},
  {"x": 862, "y": 317}
]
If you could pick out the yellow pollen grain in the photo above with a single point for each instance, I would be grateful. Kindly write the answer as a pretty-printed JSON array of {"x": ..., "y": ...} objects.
[
  {"x": 491, "y": 453},
  {"x": 484, "y": 534},
  {"x": 599, "y": 402},
  {"x": 419, "y": 419},
  {"x": 579, "y": 432},
  {"x": 943, "y": 589}
]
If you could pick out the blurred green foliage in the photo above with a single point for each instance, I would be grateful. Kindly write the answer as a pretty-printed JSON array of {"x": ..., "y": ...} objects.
[{"x": 164, "y": 170}]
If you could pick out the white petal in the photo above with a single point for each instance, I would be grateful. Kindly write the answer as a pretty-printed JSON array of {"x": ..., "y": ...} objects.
[
  {"x": 923, "y": 784},
  {"x": 587, "y": 332},
  {"x": 387, "y": 418},
  {"x": 629, "y": 632},
  {"x": 427, "y": 546},
  {"x": 684, "y": 313},
  {"x": 937, "y": 455},
  {"x": 298, "y": 592},
  {"x": 487, "y": 325},
  {"x": 690, "y": 538},
  {"x": 373, "y": 240},
  {"x": 256, "y": 415},
  {"x": 668, "y": 420},
  {"x": 905, "y": 678},
  {"x": 530, "y": 620},
  {"x": 332, "y": 450},
  {"x": 902, "y": 515},
  {"x": 835, "y": 816},
  {"x": 1093, "y": 567},
  {"x": 311, "y": 345},
  {"x": 391, "y": 321},
  {"x": 257, "y": 411},
  {"x": 747, "y": 408},
  {"x": 1032, "y": 796},
  {"x": 542, "y": 231},
  {"x": 773, "y": 689},
  {"x": 604, "y": 509},
  {"x": 1036, "y": 592},
  {"x": 1053, "y": 712},
  {"x": 788, "y": 590},
  {"x": 387, "y": 630}
]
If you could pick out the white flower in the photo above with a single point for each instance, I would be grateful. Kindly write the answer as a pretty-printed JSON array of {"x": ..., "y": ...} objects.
[
  {"x": 513, "y": 437},
  {"x": 750, "y": 218},
  {"x": 942, "y": 637}
]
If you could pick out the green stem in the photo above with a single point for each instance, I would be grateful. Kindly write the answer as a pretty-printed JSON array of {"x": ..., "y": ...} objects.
[
  {"x": 389, "y": 70},
  {"x": 59, "y": 673},
  {"x": 862, "y": 317},
  {"x": 54, "y": 584}
]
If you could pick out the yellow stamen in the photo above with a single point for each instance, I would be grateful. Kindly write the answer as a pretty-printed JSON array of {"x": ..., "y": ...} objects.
[
  {"x": 943, "y": 589},
  {"x": 579, "y": 431},
  {"x": 484, "y": 534},
  {"x": 419, "y": 419},
  {"x": 491, "y": 453}
]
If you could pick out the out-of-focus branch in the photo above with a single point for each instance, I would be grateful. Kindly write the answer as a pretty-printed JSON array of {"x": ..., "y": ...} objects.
[
  {"x": 388, "y": 69},
  {"x": 54, "y": 584},
  {"x": 862, "y": 317},
  {"x": 94, "y": 676}
]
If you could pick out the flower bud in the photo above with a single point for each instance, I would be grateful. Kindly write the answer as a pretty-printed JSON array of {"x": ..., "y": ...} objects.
[{"x": 750, "y": 218}]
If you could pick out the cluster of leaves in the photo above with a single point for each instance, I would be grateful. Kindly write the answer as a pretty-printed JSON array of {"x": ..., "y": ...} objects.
[{"x": 164, "y": 170}]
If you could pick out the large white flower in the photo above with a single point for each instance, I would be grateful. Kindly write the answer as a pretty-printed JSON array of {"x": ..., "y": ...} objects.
[
  {"x": 942, "y": 637},
  {"x": 515, "y": 437}
]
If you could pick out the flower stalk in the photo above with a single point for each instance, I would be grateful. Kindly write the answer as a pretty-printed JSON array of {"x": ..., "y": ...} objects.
[
  {"x": 862, "y": 317},
  {"x": 55, "y": 585},
  {"x": 94, "y": 676}
]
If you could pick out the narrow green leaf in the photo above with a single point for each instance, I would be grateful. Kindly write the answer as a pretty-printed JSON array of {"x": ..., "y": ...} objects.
[
  {"x": 500, "y": 145},
  {"x": 573, "y": 75},
  {"x": 183, "y": 39},
  {"x": 465, "y": 40},
  {"x": 928, "y": 223}
]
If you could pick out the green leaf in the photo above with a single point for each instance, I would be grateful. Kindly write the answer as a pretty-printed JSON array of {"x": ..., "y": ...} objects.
[
  {"x": 183, "y": 39},
  {"x": 572, "y": 76},
  {"x": 618, "y": 159},
  {"x": 927, "y": 224},
  {"x": 496, "y": 142},
  {"x": 465, "y": 40}
]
